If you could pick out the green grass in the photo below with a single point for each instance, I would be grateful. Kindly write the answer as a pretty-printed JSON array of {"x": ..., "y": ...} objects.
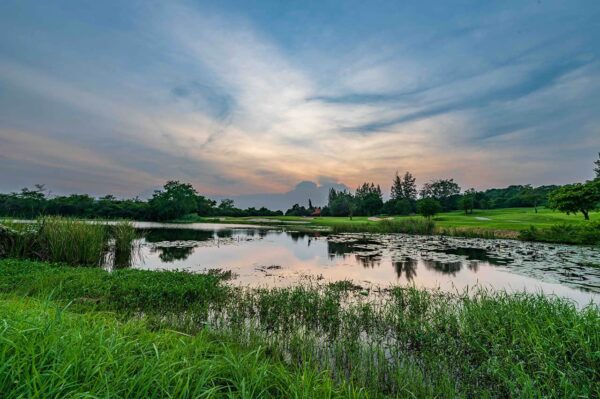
[
  {"x": 493, "y": 223},
  {"x": 49, "y": 352},
  {"x": 402, "y": 342}
]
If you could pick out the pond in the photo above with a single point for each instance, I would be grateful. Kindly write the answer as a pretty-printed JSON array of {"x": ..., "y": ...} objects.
[{"x": 259, "y": 256}]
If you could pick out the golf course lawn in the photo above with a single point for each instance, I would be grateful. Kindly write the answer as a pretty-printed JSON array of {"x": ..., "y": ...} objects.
[{"x": 507, "y": 219}]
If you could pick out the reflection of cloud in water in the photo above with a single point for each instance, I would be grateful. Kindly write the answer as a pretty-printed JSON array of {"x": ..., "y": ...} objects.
[{"x": 450, "y": 262}]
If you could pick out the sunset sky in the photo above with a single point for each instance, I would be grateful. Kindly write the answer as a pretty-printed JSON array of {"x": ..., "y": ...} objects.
[{"x": 241, "y": 97}]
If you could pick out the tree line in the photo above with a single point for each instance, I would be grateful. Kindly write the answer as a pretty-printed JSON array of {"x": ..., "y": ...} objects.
[
  {"x": 443, "y": 195},
  {"x": 433, "y": 197},
  {"x": 176, "y": 200}
]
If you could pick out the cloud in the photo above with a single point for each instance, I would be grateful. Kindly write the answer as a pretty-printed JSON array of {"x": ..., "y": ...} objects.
[{"x": 238, "y": 102}]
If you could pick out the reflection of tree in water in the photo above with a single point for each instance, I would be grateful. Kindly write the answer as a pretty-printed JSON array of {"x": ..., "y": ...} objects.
[
  {"x": 172, "y": 254},
  {"x": 473, "y": 266},
  {"x": 369, "y": 261},
  {"x": 338, "y": 249},
  {"x": 297, "y": 235},
  {"x": 229, "y": 233},
  {"x": 158, "y": 235},
  {"x": 443, "y": 267},
  {"x": 408, "y": 266}
]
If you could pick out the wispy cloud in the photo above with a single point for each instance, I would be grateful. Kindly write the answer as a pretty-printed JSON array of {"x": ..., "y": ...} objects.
[{"x": 224, "y": 98}]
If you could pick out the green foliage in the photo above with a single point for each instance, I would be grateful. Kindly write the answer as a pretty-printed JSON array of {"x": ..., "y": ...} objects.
[
  {"x": 297, "y": 210},
  {"x": 467, "y": 201},
  {"x": 578, "y": 197},
  {"x": 428, "y": 207},
  {"x": 403, "y": 342},
  {"x": 445, "y": 191},
  {"x": 174, "y": 201}
]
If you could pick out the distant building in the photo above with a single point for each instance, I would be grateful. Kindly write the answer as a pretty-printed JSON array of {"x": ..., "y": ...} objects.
[{"x": 316, "y": 211}]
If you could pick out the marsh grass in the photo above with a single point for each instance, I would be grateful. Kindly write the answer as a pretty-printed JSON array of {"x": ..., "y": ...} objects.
[
  {"x": 124, "y": 237},
  {"x": 48, "y": 352},
  {"x": 397, "y": 342},
  {"x": 75, "y": 242},
  {"x": 71, "y": 241},
  {"x": 586, "y": 234}
]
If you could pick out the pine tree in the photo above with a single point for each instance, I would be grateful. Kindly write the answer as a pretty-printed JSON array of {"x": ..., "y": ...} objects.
[
  {"x": 397, "y": 190},
  {"x": 597, "y": 168},
  {"x": 409, "y": 187}
]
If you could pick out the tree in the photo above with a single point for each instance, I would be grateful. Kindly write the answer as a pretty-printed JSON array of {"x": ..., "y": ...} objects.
[
  {"x": 409, "y": 187},
  {"x": 397, "y": 190},
  {"x": 368, "y": 200},
  {"x": 531, "y": 196},
  {"x": 467, "y": 200},
  {"x": 446, "y": 191},
  {"x": 175, "y": 200},
  {"x": 597, "y": 168},
  {"x": 578, "y": 197},
  {"x": 428, "y": 207}
]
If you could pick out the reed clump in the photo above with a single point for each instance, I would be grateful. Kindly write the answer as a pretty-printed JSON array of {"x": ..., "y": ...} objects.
[{"x": 65, "y": 240}]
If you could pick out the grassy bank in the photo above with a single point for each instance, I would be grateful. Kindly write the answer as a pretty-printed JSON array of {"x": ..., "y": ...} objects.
[
  {"x": 515, "y": 223},
  {"x": 403, "y": 342}
]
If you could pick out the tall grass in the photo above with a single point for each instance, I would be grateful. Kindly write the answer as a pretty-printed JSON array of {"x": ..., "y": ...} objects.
[
  {"x": 124, "y": 235},
  {"x": 401, "y": 342},
  {"x": 18, "y": 240},
  {"x": 72, "y": 241},
  {"x": 65, "y": 240},
  {"x": 406, "y": 226},
  {"x": 47, "y": 352}
]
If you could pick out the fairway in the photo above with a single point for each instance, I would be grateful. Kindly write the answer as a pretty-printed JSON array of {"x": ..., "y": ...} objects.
[{"x": 508, "y": 219}]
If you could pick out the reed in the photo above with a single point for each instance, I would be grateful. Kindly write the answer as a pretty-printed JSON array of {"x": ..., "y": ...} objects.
[
  {"x": 72, "y": 241},
  {"x": 124, "y": 237}
]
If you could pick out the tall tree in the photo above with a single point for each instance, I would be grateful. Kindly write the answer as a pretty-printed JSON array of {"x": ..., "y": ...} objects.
[
  {"x": 409, "y": 187},
  {"x": 397, "y": 188},
  {"x": 597, "y": 168}
]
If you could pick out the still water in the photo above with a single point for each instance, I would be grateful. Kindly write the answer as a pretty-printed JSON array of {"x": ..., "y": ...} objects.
[{"x": 265, "y": 257}]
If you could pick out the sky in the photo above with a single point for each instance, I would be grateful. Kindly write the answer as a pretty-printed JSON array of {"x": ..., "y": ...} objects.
[{"x": 247, "y": 97}]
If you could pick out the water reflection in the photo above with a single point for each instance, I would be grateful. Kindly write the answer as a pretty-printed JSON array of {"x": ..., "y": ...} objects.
[
  {"x": 172, "y": 254},
  {"x": 408, "y": 267},
  {"x": 448, "y": 263}
]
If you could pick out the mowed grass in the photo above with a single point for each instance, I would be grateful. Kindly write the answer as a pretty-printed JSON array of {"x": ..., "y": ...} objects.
[
  {"x": 304, "y": 341},
  {"x": 509, "y": 219}
]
